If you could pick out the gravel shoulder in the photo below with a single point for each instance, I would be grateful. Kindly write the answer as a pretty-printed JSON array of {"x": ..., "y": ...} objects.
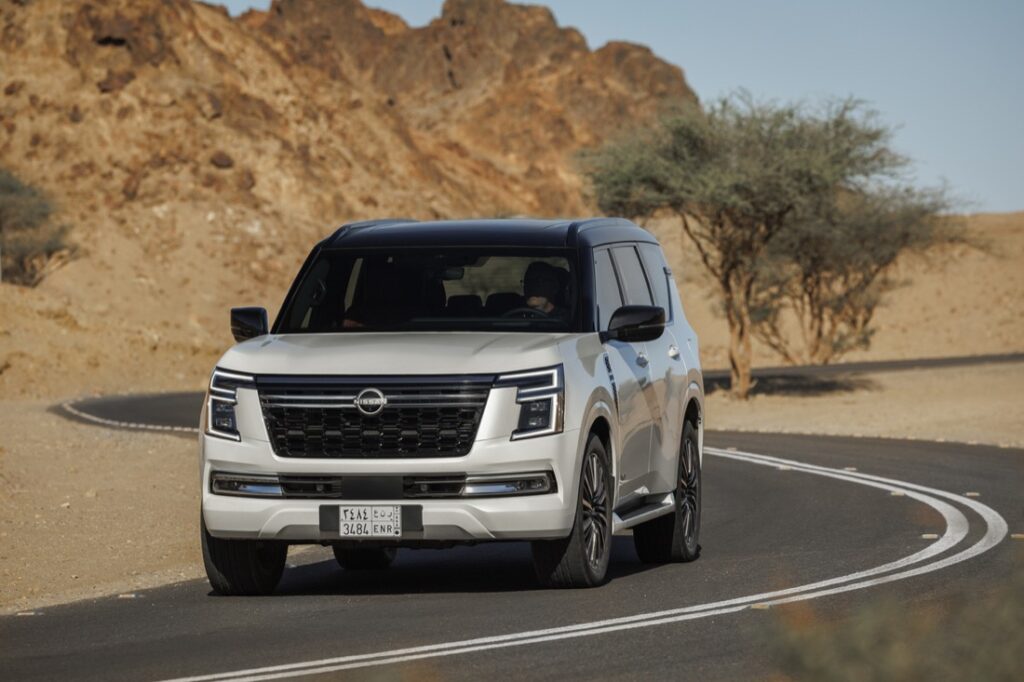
[
  {"x": 980, "y": 404},
  {"x": 91, "y": 511}
]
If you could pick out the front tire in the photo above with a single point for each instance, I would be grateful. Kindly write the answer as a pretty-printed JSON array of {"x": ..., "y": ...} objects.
[
  {"x": 581, "y": 560},
  {"x": 242, "y": 567},
  {"x": 675, "y": 537},
  {"x": 364, "y": 559}
]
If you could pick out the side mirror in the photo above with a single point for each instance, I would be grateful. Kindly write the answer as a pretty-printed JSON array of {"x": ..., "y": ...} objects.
[
  {"x": 635, "y": 323},
  {"x": 248, "y": 323}
]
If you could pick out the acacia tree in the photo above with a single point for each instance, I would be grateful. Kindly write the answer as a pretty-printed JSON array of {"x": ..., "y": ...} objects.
[
  {"x": 739, "y": 175},
  {"x": 830, "y": 269}
]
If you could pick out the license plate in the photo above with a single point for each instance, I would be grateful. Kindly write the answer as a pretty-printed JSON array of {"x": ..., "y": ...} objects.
[{"x": 369, "y": 521}]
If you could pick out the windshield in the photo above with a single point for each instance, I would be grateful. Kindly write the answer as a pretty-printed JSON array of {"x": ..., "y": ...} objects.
[{"x": 465, "y": 289}]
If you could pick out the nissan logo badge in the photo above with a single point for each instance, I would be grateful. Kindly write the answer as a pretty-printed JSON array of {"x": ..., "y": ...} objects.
[{"x": 370, "y": 401}]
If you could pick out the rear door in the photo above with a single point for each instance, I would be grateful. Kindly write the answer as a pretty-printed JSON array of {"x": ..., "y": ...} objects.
[{"x": 629, "y": 369}]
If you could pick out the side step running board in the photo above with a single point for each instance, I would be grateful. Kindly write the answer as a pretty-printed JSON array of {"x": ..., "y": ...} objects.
[{"x": 666, "y": 505}]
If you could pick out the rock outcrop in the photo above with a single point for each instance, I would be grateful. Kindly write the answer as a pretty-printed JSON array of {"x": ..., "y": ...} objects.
[{"x": 197, "y": 156}]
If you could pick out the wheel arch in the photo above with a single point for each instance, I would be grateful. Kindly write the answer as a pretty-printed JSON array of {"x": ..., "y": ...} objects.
[
  {"x": 694, "y": 414},
  {"x": 603, "y": 430},
  {"x": 600, "y": 421}
]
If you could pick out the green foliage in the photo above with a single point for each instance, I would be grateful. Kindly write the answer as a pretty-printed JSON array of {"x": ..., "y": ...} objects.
[
  {"x": 830, "y": 268},
  {"x": 772, "y": 197},
  {"x": 29, "y": 240}
]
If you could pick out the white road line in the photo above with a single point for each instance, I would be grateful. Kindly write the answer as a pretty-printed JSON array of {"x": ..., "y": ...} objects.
[
  {"x": 956, "y": 530},
  {"x": 71, "y": 409}
]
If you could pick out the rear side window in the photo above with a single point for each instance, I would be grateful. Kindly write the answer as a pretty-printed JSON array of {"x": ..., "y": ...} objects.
[
  {"x": 658, "y": 273},
  {"x": 631, "y": 273},
  {"x": 608, "y": 297}
]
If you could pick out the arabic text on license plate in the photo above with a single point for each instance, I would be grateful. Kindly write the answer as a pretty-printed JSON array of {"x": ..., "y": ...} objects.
[{"x": 370, "y": 521}]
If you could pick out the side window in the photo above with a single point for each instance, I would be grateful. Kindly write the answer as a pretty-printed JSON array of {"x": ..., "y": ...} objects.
[
  {"x": 658, "y": 274},
  {"x": 634, "y": 283},
  {"x": 608, "y": 297}
]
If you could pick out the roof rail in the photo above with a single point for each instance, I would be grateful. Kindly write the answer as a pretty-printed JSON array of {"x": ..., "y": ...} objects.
[
  {"x": 366, "y": 223},
  {"x": 598, "y": 222}
]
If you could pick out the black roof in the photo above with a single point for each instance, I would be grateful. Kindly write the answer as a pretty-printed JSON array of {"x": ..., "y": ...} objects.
[{"x": 487, "y": 232}]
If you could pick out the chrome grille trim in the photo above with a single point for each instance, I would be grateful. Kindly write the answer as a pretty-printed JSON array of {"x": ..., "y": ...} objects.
[{"x": 321, "y": 401}]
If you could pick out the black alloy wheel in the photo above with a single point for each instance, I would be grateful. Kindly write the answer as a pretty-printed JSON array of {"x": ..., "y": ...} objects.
[
  {"x": 594, "y": 501},
  {"x": 582, "y": 558},
  {"x": 676, "y": 536}
]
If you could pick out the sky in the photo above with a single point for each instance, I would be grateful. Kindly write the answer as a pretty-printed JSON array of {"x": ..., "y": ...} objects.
[{"x": 948, "y": 75}]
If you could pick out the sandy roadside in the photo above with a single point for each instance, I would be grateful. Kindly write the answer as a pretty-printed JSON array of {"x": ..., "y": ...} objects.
[
  {"x": 982, "y": 404},
  {"x": 93, "y": 511}
]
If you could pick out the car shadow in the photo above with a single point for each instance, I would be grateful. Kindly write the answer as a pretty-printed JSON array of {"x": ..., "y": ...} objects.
[
  {"x": 795, "y": 385},
  {"x": 487, "y": 567}
]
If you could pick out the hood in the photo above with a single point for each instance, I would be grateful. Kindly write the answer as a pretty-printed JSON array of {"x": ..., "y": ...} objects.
[{"x": 403, "y": 353}]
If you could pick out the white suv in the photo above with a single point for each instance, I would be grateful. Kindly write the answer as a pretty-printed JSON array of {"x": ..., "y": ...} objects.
[{"x": 432, "y": 384}]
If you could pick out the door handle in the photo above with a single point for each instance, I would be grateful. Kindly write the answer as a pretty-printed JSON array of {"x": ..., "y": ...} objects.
[
  {"x": 673, "y": 352},
  {"x": 641, "y": 359}
]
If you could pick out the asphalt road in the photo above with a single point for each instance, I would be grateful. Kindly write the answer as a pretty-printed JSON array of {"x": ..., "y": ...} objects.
[{"x": 834, "y": 540}]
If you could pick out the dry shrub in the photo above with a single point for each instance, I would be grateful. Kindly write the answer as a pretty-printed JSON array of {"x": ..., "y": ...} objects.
[{"x": 31, "y": 244}]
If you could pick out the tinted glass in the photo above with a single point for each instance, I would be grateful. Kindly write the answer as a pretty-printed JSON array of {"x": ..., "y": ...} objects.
[
  {"x": 654, "y": 263},
  {"x": 627, "y": 262},
  {"x": 421, "y": 290},
  {"x": 608, "y": 298}
]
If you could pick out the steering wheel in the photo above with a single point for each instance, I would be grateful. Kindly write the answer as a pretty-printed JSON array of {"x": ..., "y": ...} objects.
[{"x": 526, "y": 312}]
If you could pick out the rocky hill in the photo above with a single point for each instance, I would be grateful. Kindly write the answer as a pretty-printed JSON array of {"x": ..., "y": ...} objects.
[{"x": 197, "y": 157}]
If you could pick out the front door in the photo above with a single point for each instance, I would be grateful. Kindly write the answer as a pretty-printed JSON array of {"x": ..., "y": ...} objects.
[{"x": 628, "y": 365}]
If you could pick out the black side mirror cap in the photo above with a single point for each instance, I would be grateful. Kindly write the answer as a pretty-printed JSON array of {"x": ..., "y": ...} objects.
[
  {"x": 635, "y": 324},
  {"x": 248, "y": 323}
]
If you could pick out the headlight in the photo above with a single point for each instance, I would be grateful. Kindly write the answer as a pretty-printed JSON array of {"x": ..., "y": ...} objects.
[
  {"x": 220, "y": 403},
  {"x": 541, "y": 397}
]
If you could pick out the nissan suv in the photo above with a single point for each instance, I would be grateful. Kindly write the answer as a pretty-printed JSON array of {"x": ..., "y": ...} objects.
[{"x": 427, "y": 384}]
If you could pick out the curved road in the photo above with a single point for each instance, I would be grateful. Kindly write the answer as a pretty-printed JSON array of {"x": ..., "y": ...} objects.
[{"x": 772, "y": 531}]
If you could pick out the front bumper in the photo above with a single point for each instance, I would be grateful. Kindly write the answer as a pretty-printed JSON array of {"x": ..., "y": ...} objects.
[{"x": 448, "y": 520}]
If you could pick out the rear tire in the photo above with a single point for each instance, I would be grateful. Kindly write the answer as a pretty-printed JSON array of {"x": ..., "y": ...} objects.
[
  {"x": 581, "y": 560},
  {"x": 364, "y": 559},
  {"x": 242, "y": 567},
  {"x": 675, "y": 537}
]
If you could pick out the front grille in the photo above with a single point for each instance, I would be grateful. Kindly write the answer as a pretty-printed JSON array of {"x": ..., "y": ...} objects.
[{"x": 317, "y": 417}]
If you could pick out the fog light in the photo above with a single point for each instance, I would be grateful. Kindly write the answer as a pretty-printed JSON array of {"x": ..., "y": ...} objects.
[
  {"x": 509, "y": 484},
  {"x": 245, "y": 485}
]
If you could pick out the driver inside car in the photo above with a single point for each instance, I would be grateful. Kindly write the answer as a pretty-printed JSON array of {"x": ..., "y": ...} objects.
[{"x": 540, "y": 287}]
